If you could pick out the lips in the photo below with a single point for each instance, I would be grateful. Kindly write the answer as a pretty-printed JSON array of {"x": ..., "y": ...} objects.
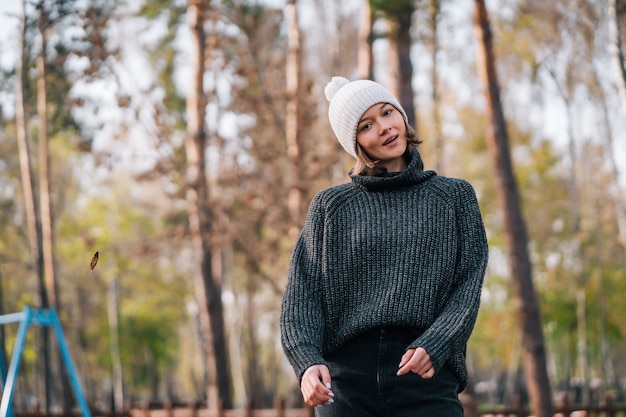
[{"x": 390, "y": 140}]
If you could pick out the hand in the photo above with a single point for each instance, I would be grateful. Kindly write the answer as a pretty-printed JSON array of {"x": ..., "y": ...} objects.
[
  {"x": 416, "y": 361},
  {"x": 315, "y": 386}
]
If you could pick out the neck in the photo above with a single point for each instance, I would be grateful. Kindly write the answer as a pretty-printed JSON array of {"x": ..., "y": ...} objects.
[
  {"x": 397, "y": 165},
  {"x": 400, "y": 164}
]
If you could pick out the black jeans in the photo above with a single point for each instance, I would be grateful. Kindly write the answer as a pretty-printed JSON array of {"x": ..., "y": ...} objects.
[{"x": 365, "y": 383}]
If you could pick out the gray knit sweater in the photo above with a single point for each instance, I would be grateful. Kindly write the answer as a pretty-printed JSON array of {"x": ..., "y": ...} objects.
[{"x": 401, "y": 249}]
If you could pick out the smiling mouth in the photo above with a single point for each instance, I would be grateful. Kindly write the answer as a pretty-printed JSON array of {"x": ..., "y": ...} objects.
[{"x": 391, "y": 139}]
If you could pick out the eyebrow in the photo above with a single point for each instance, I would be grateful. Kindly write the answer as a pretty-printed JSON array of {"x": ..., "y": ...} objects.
[{"x": 380, "y": 107}]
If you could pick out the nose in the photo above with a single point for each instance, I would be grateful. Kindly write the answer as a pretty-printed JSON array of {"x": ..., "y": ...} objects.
[{"x": 384, "y": 127}]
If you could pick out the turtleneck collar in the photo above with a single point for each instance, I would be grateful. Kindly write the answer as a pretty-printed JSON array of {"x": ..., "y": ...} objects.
[{"x": 413, "y": 174}]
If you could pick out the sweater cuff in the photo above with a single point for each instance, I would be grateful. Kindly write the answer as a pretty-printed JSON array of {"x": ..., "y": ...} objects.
[{"x": 302, "y": 357}]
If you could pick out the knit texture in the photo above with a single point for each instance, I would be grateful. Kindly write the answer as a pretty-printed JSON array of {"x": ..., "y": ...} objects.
[
  {"x": 348, "y": 101},
  {"x": 402, "y": 249}
]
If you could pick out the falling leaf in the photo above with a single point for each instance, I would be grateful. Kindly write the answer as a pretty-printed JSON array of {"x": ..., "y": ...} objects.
[{"x": 94, "y": 261}]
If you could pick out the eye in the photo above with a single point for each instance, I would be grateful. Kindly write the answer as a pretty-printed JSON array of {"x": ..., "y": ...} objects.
[
  {"x": 388, "y": 111},
  {"x": 364, "y": 127}
]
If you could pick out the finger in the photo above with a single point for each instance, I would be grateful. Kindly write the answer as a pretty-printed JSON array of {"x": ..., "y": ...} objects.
[
  {"x": 324, "y": 374},
  {"x": 406, "y": 357},
  {"x": 424, "y": 365},
  {"x": 316, "y": 398},
  {"x": 429, "y": 373},
  {"x": 421, "y": 353},
  {"x": 406, "y": 362},
  {"x": 307, "y": 385},
  {"x": 315, "y": 385},
  {"x": 326, "y": 381},
  {"x": 422, "y": 359},
  {"x": 312, "y": 396},
  {"x": 415, "y": 360}
]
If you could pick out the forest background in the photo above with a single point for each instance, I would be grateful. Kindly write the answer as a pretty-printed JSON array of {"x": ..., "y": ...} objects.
[{"x": 126, "y": 108}]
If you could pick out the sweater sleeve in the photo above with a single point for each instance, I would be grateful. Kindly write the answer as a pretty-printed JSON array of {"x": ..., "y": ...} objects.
[
  {"x": 302, "y": 314},
  {"x": 453, "y": 325}
]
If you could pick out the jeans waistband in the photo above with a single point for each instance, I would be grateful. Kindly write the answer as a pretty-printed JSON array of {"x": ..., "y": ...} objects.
[{"x": 396, "y": 332}]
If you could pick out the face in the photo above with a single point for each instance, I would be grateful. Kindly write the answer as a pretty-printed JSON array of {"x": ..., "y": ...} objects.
[{"x": 381, "y": 132}]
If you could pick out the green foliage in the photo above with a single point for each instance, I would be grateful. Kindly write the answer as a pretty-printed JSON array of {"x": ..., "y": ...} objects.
[
  {"x": 150, "y": 342},
  {"x": 392, "y": 8}
]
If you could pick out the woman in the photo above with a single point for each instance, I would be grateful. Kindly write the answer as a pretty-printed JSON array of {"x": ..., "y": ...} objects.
[{"x": 385, "y": 279}]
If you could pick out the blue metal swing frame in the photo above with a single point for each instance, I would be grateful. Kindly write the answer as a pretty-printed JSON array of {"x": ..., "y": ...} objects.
[{"x": 26, "y": 318}]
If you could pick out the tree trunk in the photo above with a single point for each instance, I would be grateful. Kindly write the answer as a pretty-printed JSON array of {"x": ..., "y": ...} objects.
[
  {"x": 582, "y": 348},
  {"x": 405, "y": 66},
  {"x": 48, "y": 298},
  {"x": 391, "y": 68},
  {"x": 117, "y": 394},
  {"x": 617, "y": 53},
  {"x": 294, "y": 197},
  {"x": 365, "y": 68},
  {"x": 3, "y": 348},
  {"x": 398, "y": 66},
  {"x": 435, "y": 12},
  {"x": 533, "y": 347},
  {"x": 581, "y": 343},
  {"x": 577, "y": 256},
  {"x": 30, "y": 204},
  {"x": 255, "y": 381},
  {"x": 615, "y": 189},
  {"x": 44, "y": 166},
  {"x": 207, "y": 283}
]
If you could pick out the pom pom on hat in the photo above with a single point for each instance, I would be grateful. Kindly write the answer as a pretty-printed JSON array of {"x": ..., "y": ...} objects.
[
  {"x": 333, "y": 86},
  {"x": 348, "y": 101}
]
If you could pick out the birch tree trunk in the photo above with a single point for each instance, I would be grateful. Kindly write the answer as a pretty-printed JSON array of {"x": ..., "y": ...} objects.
[
  {"x": 533, "y": 347},
  {"x": 617, "y": 53},
  {"x": 117, "y": 397},
  {"x": 577, "y": 257},
  {"x": 616, "y": 191},
  {"x": 607, "y": 369},
  {"x": 206, "y": 282},
  {"x": 577, "y": 253}
]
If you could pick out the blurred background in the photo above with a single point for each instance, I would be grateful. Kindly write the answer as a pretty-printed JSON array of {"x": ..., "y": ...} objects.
[{"x": 183, "y": 141}]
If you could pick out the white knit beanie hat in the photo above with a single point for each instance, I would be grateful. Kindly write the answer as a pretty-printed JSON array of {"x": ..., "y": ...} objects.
[{"x": 348, "y": 101}]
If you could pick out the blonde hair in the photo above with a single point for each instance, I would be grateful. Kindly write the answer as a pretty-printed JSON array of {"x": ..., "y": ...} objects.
[{"x": 365, "y": 166}]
